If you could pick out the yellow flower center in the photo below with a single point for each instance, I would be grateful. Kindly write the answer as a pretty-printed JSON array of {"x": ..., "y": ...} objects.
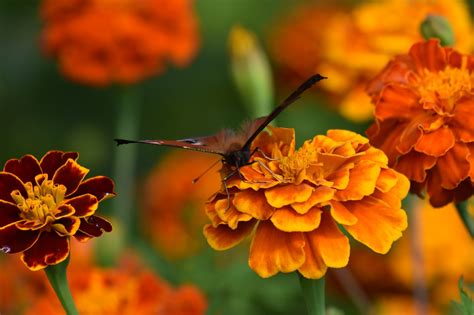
[
  {"x": 42, "y": 201},
  {"x": 293, "y": 167},
  {"x": 448, "y": 86}
]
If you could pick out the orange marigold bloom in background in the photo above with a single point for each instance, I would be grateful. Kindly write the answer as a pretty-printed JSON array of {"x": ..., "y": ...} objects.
[
  {"x": 351, "y": 45},
  {"x": 43, "y": 203},
  {"x": 115, "y": 291},
  {"x": 99, "y": 42},
  {"x": 396, "y": 268},
  {"x": 295, "y": 199},
  {"x": 424, "y": 122},
  {"x": 172, "y": 204}
]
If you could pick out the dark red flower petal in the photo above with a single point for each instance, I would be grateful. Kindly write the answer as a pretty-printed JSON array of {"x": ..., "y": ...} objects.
[
  {"x": 9, "y": 214},
  {"x": 13, "y": 240},
  {"x": 9, "y": 183},
  {"x": 67, "y": 226},
  {"x": 50, "y": 249},
  {"x": 64, "y": 210},
  {"x": 70, "y": 175},
  {"x": 99, "y": 186},
  {"x": 81, "y": 236},
  {"x": 25, "y": 168},
  {"x": 84, "y": 205},
  {"x": 53, "y": 160},
  {"x": 95, "y": 226}
]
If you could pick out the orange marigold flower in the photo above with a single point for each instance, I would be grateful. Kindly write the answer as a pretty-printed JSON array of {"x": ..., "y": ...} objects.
[
  {"x": 295, "y": 199},
  {"x": 172, "y": 204},
  {"x": 43, "y": 203},
  {"x": 116, "y": 291},
  {"x": 424, "y": 105},
  {"x": 99, "y": 42},
  {"x": 350, "y": 45}
]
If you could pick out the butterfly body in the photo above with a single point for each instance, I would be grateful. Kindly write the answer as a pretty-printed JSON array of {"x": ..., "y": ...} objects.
[{"x": 233, "y": 147}]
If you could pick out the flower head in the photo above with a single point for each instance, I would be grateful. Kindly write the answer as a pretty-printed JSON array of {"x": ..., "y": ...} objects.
[
  {"x": 172, "y": 214},
  {"x": 350, "y": 45},
  {"x": 295, "y": 199},
  {"x": 424, "y": 102},
  {"x": 43, "y": 203},
  {"x": 99, "y": 42},
  {"x": 122, "y": 291}
]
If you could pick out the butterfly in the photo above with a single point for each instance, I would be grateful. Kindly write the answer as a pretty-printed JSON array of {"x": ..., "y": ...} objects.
[{"x": 233, "y": 147}]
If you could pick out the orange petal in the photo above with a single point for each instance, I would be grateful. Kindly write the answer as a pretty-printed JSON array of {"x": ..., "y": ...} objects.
[
  {"x": 341, "y": 214},
  {"x": 319, "y": 196},
  {"x": 414, "y": 165},
  {"x": 340, "y": 177},
  {"x": 313, "y": 266},
  {"x": 272, "y": 250},
  {"x": 281, "y": 196},
  {"x": 428, "y": 55},
  {"x": 397, "y": 102},
  {"x": 333, "y": 245},
  {"x": 411, "y": 134},
  {"x": 386, "y": 136},
  {"x": 463, "y": 120},
  {"x": 287, "y": 220},
  {"x": 436, "y": 143},
  {"x": 229, "y": 214},
  {"x": 387, "y": 179},
  {"x": 394, "y": 196},
  {"x": 454, "y": 166},
  {"x": 253, "y": 203},
  {"x": 362, "y": 180},
  {"x": 222, "y": 237},
  {"x": 378, "y": 225}
]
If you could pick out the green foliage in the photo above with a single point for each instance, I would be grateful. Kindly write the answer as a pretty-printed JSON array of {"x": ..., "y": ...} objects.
[{"x": 466, "y": 305}]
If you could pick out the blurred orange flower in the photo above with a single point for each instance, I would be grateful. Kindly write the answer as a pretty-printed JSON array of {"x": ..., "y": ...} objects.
[
  {"x": 172, "y": 204},
  {"x": 424, "y": 102},
  {"x": 396, "y": 269},
  {"x": 99, "y": 42},
  {"x": 44, "y": 203},
  {"x": 350, "y": 45},
  {"x": 116, "y": 291},
  {"x": 295, "y": 200}
]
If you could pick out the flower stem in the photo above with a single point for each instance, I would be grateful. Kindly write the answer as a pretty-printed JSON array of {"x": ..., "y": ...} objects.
[
  {"x": 313, "y": 292},
  {"x": 420, "y": 291},
  {"x": 57, "y": 278},
  {"x": 127, "y": 128},
  {"x": 462, "y": 208}
]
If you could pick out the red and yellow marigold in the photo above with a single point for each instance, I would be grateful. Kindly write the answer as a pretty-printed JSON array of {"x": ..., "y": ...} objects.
[
  {"x": 43, "y": 203},
  {"x": 295, "y": 200},
  {"x": 350, "y": 45},
  {"x": 424, "y": 122},
  {"x": 100, "y": 42}
]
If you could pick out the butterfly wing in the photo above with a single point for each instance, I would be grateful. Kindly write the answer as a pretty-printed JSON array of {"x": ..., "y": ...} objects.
[
  {"x": 260, "y": 123},
  {"x": 210, "y": 144}
]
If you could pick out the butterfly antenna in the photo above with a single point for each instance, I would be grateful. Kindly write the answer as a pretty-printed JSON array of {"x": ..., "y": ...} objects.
[
  {"x": 123, "y": 141},
  {"x": 289, "y": 100},
  {"x": 205, "y": 172}
]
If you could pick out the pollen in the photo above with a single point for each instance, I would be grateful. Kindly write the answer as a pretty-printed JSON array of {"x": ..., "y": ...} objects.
[
  {"x": 41, "y": 202},
  {"x": 448, "y": 86},
  {"x": 294, "y": 167}
]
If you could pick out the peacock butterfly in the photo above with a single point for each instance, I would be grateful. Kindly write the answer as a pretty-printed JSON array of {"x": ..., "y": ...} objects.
[{"x": 233, "y": 147}]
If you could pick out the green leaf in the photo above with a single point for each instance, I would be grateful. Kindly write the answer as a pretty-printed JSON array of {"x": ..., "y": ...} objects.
[{"x": 466, "y": 306}]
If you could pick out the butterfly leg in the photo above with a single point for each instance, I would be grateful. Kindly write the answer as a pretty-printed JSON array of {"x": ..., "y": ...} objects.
[
  {"x": 257, "y": 149},
  {"x": 224, "y": 183}
]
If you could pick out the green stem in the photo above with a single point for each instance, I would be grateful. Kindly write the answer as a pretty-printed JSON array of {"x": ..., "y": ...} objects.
[
  {"x": 57, "y": 278},
  {"x": 313, "y": 292},
  {"x": 463, "y": 212},
  {"x": 127, "y": 128}
]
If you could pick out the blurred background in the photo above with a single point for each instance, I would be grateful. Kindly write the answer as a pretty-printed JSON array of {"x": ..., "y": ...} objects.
[{"x": 43, "y": 108}]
